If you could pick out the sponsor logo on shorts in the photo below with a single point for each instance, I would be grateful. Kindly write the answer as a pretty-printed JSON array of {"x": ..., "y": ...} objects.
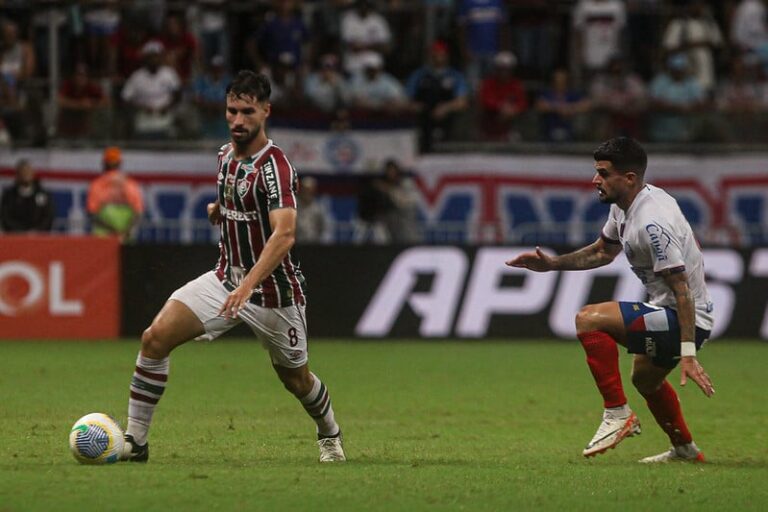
[{"x": 650, "y": 346}]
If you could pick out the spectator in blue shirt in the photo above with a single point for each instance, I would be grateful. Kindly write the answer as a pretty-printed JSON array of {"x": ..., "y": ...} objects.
[
  {"x": 675, "y": 95},
  {"x": 561, "y": 107},
  {"x": 439, "y": 93},
  {"x": 209, "y": 92},
  {"x": 283, "y": 35},
  {"x": 482, "y": 28}
]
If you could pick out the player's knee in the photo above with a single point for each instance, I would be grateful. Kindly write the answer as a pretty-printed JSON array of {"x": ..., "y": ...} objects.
[
  {"x": 587, "y": 319},
  {"x": 152, "y": 344}
]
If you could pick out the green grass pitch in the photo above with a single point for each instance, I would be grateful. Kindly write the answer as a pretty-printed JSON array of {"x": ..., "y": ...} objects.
[{"x": 470, "y": 425}]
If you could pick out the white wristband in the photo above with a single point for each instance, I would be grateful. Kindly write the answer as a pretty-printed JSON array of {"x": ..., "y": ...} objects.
[{"x": 687, "y": 348}]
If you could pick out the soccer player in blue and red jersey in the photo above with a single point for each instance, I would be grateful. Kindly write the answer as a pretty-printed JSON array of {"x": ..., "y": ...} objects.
[
  {"x": 646, "y": 224},
  {"x": 255, "y": 280}
]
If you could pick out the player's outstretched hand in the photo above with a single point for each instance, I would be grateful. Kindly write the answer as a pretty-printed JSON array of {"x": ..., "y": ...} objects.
[
  {"x": 536, "y": 261},
  {"x": 214, "y": 214},
  {"x": 690, "y": 367}
]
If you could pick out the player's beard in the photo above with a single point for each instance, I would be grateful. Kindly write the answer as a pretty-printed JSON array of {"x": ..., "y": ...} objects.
[
  {"x": 605, "y": 198},
  {"x": 242, "y": 138}
]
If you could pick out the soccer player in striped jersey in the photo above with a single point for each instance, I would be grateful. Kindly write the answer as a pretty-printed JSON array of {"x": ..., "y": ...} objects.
[
  {"x": 648, "y": 225},
  {"x": 255, "y": 280}
]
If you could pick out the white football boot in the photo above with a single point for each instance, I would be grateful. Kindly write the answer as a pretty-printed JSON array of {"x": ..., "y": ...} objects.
[
  {"x": 618, "y": 424},
  {"x": 683, "y": 453},
  {"x": 331, "y": 449}
]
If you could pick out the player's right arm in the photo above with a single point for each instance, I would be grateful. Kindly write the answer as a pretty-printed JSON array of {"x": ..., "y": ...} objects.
[{"x": 596, "y": 254}]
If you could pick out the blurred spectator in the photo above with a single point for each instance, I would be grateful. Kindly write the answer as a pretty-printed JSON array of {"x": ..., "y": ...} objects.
[
  {"x": 561, "y": 107},
  {"x": 26, "y": 205},
  {"x": 619, "y": 99},
  {"x": 327, "y": 88},
  {"x": 375, "y": 89},
  {"x": 482, "y": 34},
  {"x": 11, "y": 112},
  {"x": 748, "y": 25},
  {"x": 406, "y": 20},
  {"x": 326, "y": 25},
  {"x": 209, "y": 92},
  {"x": 643, "y": 24},
  {"x": 102, "y": 21},
  {"x": 401, "y": 217},
  {"x": 181, "y": 49},
  {"x": 439, "y": 93},
  {"x": 363, "y": 29},
  {"x": 213, "y": 30},
  {"x": 502, "y": 99},
  {"x": 80, "y": 97},
  {"x": 534, "y": 36},
  {"x": 388, "y": 207},
  {"x": 696, "y": 34},
  {"x": 17, "y": 59},
  {"x": 152, "y": 91},
  {"x": 126, "y": 46},
  {"x": 675, "y": 94},
  {"x": 115, "y": 203},
  {"x": 740, "y": 92},
  {"x": 740, "y": 99},
  {"x": 283, "y": 35},
  {"x": 598, "y": 26},
  {"x": 286, "y": 84},
  {"x": 311, "y": 220}
]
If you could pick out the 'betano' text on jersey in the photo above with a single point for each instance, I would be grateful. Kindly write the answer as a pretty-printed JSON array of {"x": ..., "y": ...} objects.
[{"x": 248, "y": 190}]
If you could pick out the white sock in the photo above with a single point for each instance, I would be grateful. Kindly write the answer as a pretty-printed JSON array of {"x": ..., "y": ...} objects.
[{"x": 317, "y": 403}]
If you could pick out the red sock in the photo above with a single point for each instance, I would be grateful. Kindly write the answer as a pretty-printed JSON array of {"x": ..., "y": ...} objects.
[
  {"x": 665, "y": 407},
  {"x": 603, "y": 361}
]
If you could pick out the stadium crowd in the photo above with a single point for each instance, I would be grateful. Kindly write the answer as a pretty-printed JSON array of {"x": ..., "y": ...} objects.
[{"x": 491, "y": 70}]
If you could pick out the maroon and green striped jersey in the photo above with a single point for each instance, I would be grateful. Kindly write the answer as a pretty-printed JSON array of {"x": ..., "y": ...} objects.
[{"x": 248, "y": 190}]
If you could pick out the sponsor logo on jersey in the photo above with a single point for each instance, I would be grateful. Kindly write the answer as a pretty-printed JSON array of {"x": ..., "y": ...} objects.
[
  {"x": 236, "y": 215},
  {"x": 270, "y": 178},
  {"x": 659, "y": 240}
]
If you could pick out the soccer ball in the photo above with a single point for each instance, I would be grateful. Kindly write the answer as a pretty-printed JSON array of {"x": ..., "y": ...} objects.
[{"x": 96, "y": 439}]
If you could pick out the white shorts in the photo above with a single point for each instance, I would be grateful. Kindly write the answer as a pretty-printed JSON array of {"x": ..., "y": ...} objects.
[{"x": 282, "y": 331}]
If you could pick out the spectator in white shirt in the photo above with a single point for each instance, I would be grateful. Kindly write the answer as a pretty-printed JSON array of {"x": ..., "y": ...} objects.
[
  {"x": 375, "y": 89},
  {"x": 363, "y": 29},
  {"x": 599, "y": 25},
  {"x": 696, "y": 34},
  {"x": 748, "y": 25},
  {"x": 152, "y": 91}
]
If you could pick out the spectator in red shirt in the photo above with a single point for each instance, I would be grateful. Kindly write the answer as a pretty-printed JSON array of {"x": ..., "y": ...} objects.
[
  {"x": 127, "y": 43},
  {"x": 181, "y": 49},
  {"x": 79, "y": 98},
  {"x": 502, "y": 99}
]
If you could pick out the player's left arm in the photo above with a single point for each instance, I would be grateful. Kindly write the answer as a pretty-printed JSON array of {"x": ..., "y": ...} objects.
[
  {"x": 677, "y": 280},
  {"x": 279, "y": 243}
]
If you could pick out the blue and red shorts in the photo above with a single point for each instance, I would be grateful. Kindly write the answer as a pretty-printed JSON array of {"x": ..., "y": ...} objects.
[{"x": 655, "y": 332}]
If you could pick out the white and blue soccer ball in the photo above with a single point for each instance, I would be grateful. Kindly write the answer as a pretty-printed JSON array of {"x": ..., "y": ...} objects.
[{"x": 96, "y": 438}]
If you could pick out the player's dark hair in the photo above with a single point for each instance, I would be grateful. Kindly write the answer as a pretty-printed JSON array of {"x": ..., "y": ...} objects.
[
  {"x": 248, "y": 83},
  {"x": 624, "y": 153}
]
